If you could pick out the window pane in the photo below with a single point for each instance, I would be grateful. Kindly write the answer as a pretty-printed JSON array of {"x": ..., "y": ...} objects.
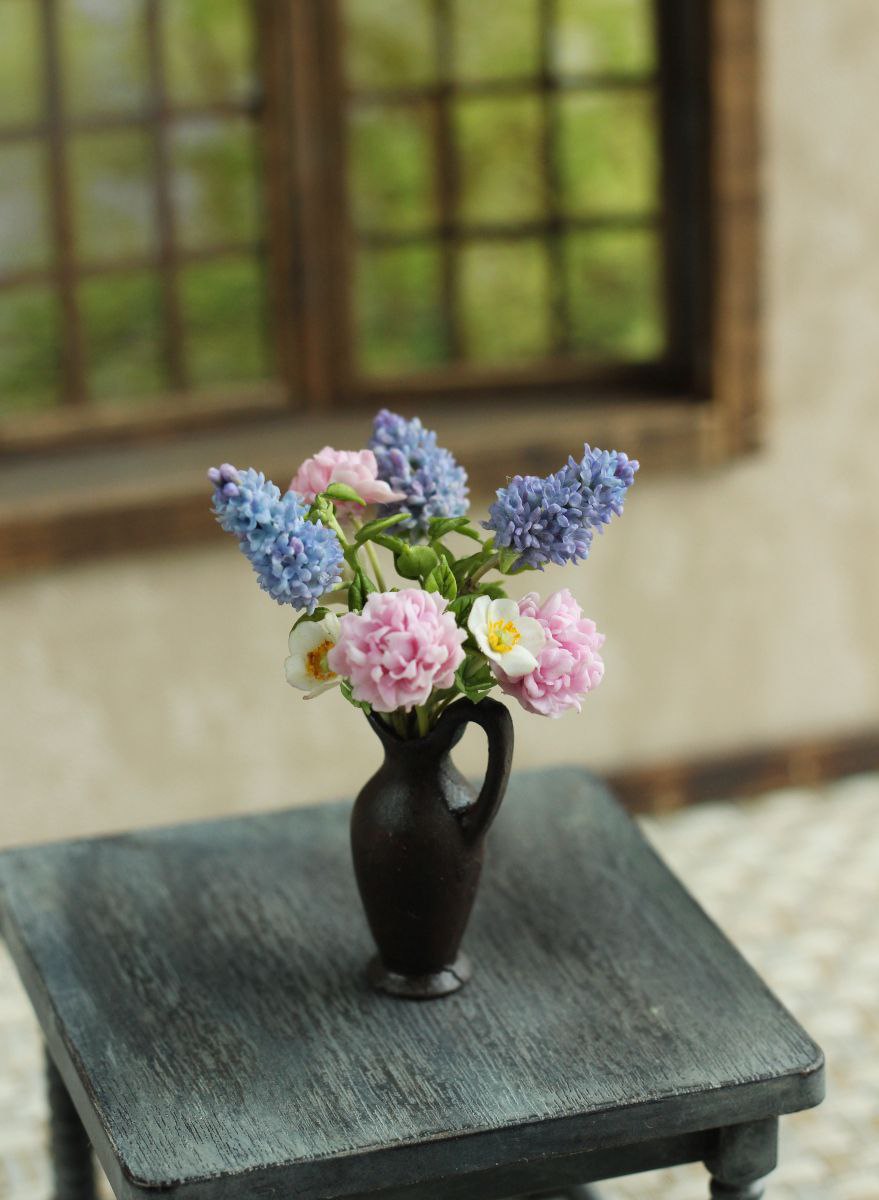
[
  {"x": 104, "y": 51},
  {"x": 614, "y": 289},
  {"x": 24, "y": 221},
  {"x": 224, "y": 321},
  {"x": 609, "y": 154},
  {"x": 597, "y": 36},
  {"x": 113, "y": 195},
  {"x": 496, "y": 39},
  {"x": 215, "y": 194},
  {"x": 28, "y": 350},
  {"x": 389, "y": 42},
  {"x": 391, "y": 168},
  {"x": 209, "y": 50},
  {"x": 398, "y": 309},
  {"x": 505, "y": 301},
  {"x": 21, "y": 75},
  {"x": 122, "y": 329},
  {"x": 499, "y": 149}
]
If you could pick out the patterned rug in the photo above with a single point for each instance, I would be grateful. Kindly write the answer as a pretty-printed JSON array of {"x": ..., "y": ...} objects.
[{"x": 793, "y": 878}]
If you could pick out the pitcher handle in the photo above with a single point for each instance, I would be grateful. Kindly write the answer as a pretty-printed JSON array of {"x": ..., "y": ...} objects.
[{"x": 495, "y": 719}]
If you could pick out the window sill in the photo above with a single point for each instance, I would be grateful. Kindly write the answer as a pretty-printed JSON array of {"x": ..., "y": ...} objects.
[{"x": 91, "y": 503}]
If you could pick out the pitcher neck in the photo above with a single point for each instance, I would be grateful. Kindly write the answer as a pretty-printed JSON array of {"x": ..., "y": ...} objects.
[{"x": 434, "y": 745}]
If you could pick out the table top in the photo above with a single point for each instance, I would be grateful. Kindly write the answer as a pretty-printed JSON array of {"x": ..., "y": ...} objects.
[{"x": 202, "y": 991}]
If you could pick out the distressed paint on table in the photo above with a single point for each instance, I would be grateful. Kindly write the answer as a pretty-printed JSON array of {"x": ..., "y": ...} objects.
[{"x": 202, "y": 991}]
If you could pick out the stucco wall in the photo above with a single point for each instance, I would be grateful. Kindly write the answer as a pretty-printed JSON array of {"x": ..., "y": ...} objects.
[{"x": 740, "y": 605}]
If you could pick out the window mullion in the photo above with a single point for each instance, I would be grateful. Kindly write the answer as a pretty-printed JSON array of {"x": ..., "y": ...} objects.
[
  {"x": 73, "y": 365},
  {"x": 172, "y": 322},
  {"x": 302, "y": 97},
  {"x": 559, "y": 315}
]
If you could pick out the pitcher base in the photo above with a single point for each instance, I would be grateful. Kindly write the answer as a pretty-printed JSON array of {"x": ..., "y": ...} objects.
[{"x": 419, "y": 987}]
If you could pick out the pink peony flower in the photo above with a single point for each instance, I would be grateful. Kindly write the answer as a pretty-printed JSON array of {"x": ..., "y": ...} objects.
[
  {"x": 357, "y": 468},
  {"x": 568, "y": 665},
  {"x": 402, "y": 646}
]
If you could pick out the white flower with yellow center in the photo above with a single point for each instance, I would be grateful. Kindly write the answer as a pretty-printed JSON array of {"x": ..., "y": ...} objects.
[
  {"x": 310, "y": 643},
  {"x": 506, "y": 637}
]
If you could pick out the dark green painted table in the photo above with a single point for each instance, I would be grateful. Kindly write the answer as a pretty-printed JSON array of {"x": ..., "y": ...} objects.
[{"x": 202, "y": 998}]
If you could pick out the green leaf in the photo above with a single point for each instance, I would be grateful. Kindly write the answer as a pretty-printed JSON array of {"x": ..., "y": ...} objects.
[
  {"x": 318, "y": 615},
  {"x": 371, "y": 528},
  {"x": 475, "y": 669},
  {"x": 394, "y": 544},
  {"x": 507, "y": 559},
  {"x": 494, "y": 591},
  {"x": 439, "y": 526},
  {"x": 358, "y": 589},
  {"x": 443, "y": 552},
  {"x": 469, "y": 532},
  {"x": 348, "y": 692},
  {"x": 341, "y": 491},
  {"x": 321, "y": 509},
  {"x": 474, "y": 678},
  {"x": 356, "y": 594},
  {"x": 441, "y": 579},
  {"x": 416, "y": 562},
  {"x": 461, "y": 606},
  {"x": 466, "y": 566}
]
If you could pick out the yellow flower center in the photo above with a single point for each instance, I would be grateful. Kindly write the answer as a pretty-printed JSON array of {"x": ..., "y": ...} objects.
[
  {"x": 316, "y": 662},
  {"x": 502, "y": 636}
]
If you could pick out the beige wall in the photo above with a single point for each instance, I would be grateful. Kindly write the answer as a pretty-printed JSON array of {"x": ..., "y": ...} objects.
[{"x": 739, "y": 606}]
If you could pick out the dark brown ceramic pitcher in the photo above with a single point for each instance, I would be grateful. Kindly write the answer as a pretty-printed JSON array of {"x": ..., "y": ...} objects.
[{"x": 417, "y": 836}]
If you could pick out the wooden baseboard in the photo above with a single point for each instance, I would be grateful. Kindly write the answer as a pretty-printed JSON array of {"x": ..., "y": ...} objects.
[{"x": 742, "y": 774}]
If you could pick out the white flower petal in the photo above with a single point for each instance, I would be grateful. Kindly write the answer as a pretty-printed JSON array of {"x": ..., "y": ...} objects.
[
  {"x": 321, "y": 688},
  {"x": 478, "y": 619},
  {"x": 532, "y": 636},
  {"x": 297, "y": 674},
  {"x": 516, "y": 662},
  {"x": 305, "y": 637},
  {"x": 503, "y": 610}
]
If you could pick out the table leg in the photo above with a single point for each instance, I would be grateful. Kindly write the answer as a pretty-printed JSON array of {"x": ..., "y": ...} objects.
[
  {"x": 69, "y": 1146},
  {"x": 743, "y": 1155}
]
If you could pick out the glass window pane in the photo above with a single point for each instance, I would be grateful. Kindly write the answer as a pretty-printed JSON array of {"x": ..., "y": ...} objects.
[
  {"x": 504, "y": 301},
  {"x": 104, "y": 54},
  {"x": 29, "y": 356},
  {"x": 21, "y": 72},
  {"x": 224, "y": 319},
  {"x": 597, "y": 36},
  {"x": 399, "y": 319},
  {"x": 209, "y": 48},
  {"x": 614, "y": 290},
  {"x": 496, "y": 39},
  {"x": 113, "y": 193},
  {"x": 389, "y": 42},
  {"x": 499, "y": 154},
  {"x": 24, "y": 217},
  {"x": 391, "y": 168},
  {"x": 121, "y": 318},
  {"x": 609, "y": 153},
  {"x": 214, "y": 183}
]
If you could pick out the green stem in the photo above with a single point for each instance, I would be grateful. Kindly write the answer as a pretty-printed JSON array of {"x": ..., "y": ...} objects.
[
  {"x": 483, "y": 570},
  {"x": 442, "y": 705},
  {"x": 373, "y": 558},
  {"x": 423, "y": 718},
  {"x": 333, "y": 523}
]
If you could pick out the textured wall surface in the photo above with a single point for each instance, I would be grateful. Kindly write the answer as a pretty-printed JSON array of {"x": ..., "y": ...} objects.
[{"x": 739, "y": 605}]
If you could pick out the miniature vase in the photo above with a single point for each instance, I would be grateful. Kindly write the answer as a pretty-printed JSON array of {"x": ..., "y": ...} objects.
[{"x": 418, "y": 841}]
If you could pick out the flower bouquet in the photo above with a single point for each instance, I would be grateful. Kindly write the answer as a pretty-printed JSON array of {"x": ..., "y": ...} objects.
[{"x": 420, "y": 655}]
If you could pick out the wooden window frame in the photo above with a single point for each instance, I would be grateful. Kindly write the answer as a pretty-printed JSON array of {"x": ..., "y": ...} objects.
[
  {"x": 74, "y": 421},
  {"x": 709, "y": 417}
]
